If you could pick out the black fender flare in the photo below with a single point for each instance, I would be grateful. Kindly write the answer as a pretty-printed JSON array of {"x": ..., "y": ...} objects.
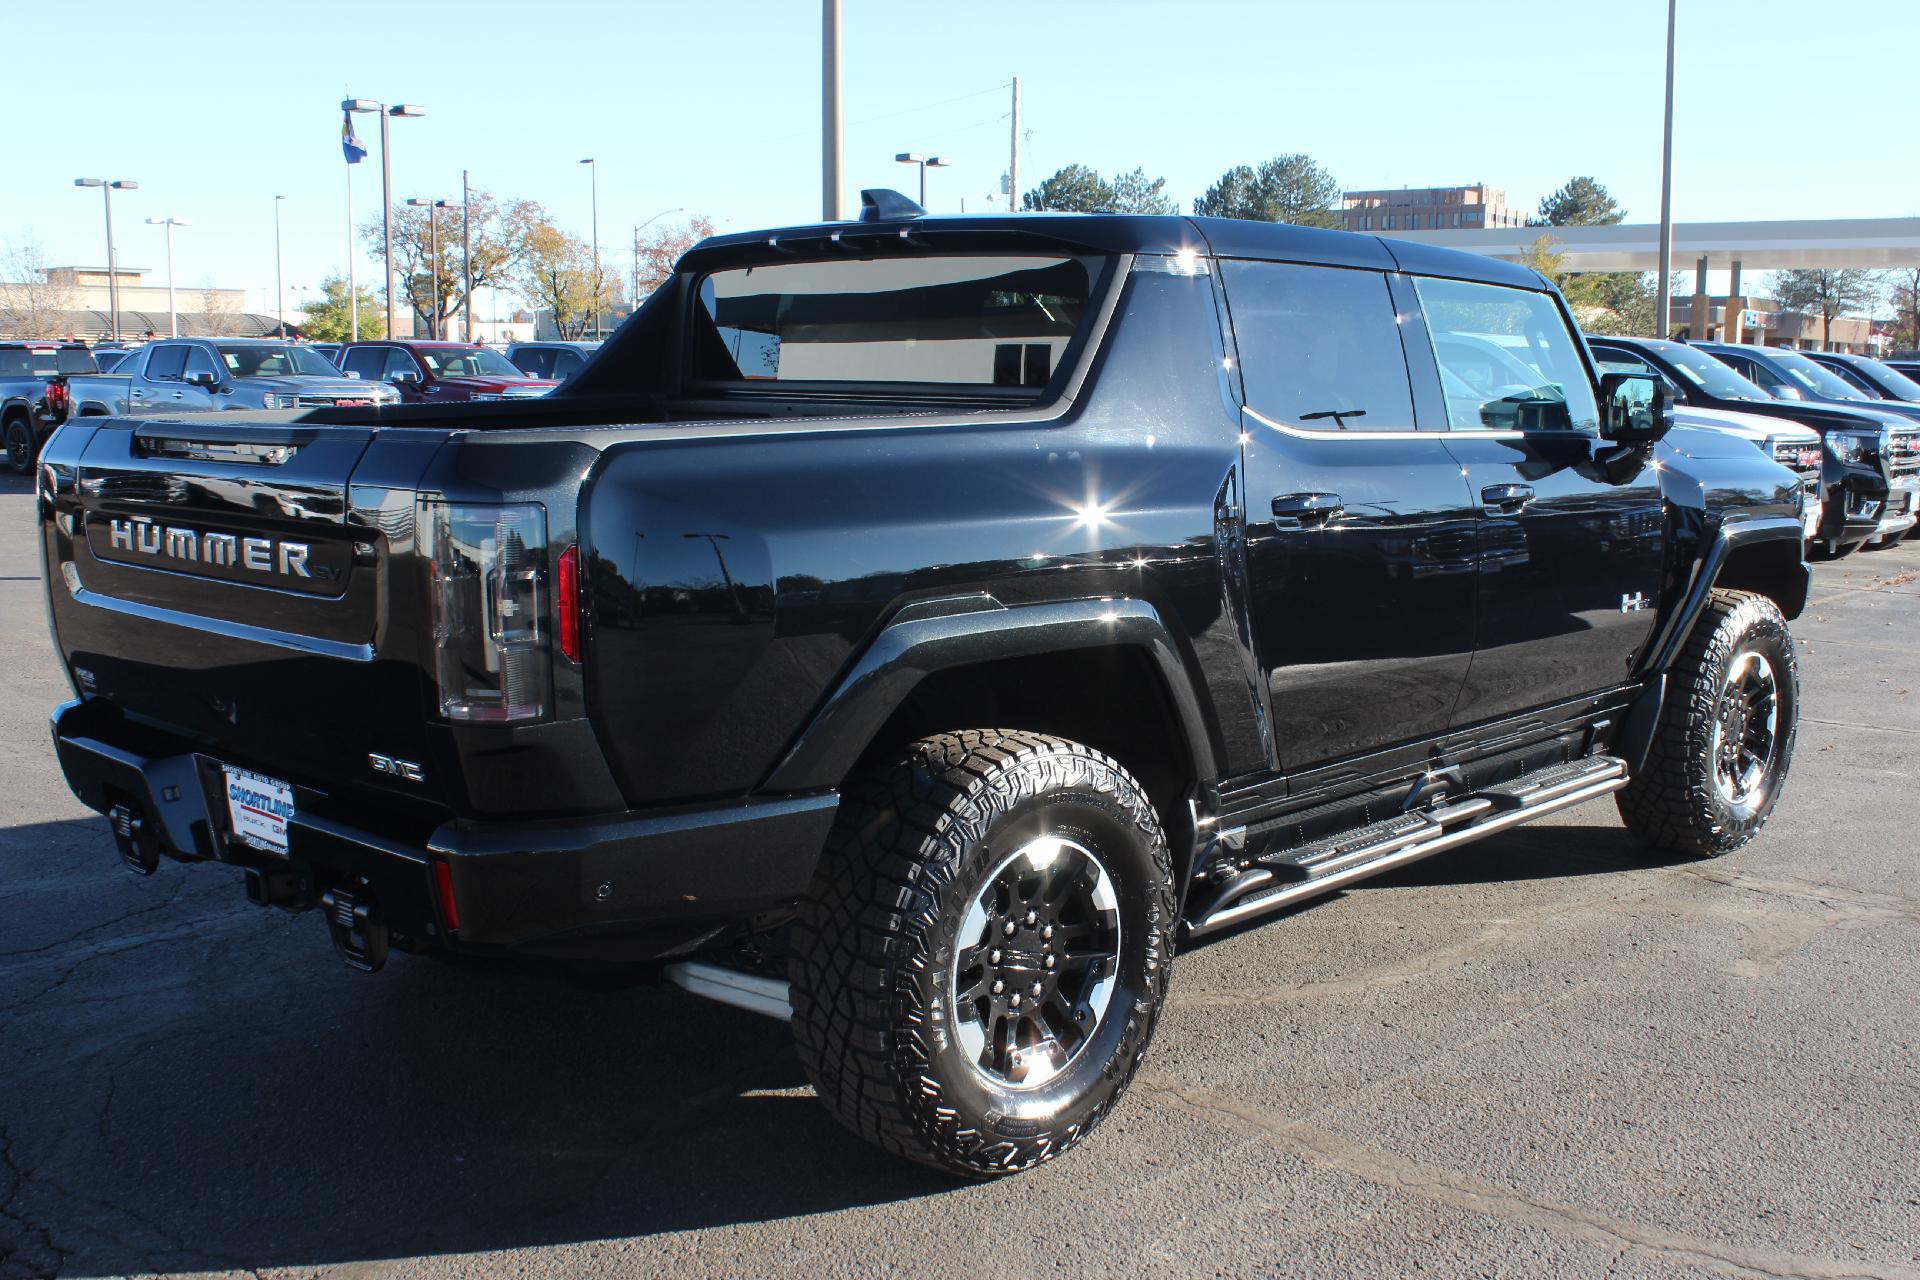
[
  {"x": 937, "y": 635},
  {"x": 1643, "y": 716}
]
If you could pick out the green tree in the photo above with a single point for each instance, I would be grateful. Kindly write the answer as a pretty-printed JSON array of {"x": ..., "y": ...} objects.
[
  {"x": 1825, "y": 293},
  {"x": 1136, "y": 193},
  {"x": 1074, "y": 189},
  {"x": 329, "y": 321},
  {"x": 1289, "y": 188},
  {"x": 1079, "y": 189},
  {"x": 1582, "y": 202}
]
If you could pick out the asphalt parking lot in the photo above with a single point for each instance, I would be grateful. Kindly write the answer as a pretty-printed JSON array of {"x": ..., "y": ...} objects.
[{"x": 1541, "y": 1055}]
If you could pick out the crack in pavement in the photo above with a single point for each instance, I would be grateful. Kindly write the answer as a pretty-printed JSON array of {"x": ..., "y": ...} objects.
[{"x": 1385, "y": 1169}]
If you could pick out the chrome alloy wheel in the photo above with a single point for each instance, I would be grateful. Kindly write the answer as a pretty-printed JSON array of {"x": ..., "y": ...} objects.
[
  {"x": 1036, "y": 961},
  {"x": 1745, "y": 725}
]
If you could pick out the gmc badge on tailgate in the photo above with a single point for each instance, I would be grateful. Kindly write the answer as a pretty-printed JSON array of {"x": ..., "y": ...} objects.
[{"x": 398, "y": 768}]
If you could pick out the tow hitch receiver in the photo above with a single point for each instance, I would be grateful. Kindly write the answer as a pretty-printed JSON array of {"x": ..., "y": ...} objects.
[
  {"x": 358, "y": 933},
  {"x": 139, "y": 851}
]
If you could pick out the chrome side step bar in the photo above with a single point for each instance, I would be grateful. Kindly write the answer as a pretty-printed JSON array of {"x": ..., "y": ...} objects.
[
  {"x": 749, "y": 991},
  {"x": 1341, "y": 860}
]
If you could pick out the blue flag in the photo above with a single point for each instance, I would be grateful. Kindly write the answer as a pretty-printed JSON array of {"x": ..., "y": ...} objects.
[{"x": 355, "y": 149}]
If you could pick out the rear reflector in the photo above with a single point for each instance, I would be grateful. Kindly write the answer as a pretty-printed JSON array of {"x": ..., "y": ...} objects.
[
  {"x": 443, "y": 881},
  {"x": 566, "y": 602}
]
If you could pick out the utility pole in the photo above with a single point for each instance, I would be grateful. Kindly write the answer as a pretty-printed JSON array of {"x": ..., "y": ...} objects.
[
  {"x": 832, "y": 210},
  {"x": 279, "y": 289},
  {"x": 466, "y": 251},
  {"x": 433, "y": 208},
  {"x": 1663, "y": 293},
  {"x": 593, "y": 171},
  {"x": 173, "y": 310},
  {"x": 1013, "y": 159}
]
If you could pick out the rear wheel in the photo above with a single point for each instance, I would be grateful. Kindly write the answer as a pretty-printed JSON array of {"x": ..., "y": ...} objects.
[
  {"x": 20, "y": 444},
  {"x": 979, "y": 965},
  {"x": 1725, "y": 740}
]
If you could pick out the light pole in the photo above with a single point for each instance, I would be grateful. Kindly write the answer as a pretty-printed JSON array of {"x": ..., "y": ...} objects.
[
  {"x": 1663, "y": 295},
  {"x": 636, "y": 248},
  {"x": 279, "y": 289},
  {"x": 362, "y": 107},
  {"x": 107, "y": 187},
  {"x": 833, "y": 209},
  {"x": 466, "y": 253},
  {"x": 173, "y": 314},
  {"x": 593, "y": 171},
  {"x": 406, "y": 111},
  {"x": 925, "y": 163},
  {"x": 433, "y": 208}
]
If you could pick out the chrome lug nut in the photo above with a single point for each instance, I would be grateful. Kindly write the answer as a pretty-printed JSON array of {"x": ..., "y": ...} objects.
[
  {"x": 998, "y": 986},
  {"x": 1008, "y": 928},
  {"x": 1047, "y": 932},
  {"x": 995, "y": 957},
  {"x": 1037, "y": 988},
  {"x": 1048, "y": 961},
  {"x": 1032, "y": 917},
  {"x": 1016, "y": 1000}
]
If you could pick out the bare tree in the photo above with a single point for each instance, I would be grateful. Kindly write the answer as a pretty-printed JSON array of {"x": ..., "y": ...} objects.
[
  {"x": 31, "y": 305},
  {"x": 217, "y": 316},
  {"x": 661, "y": 247},
  {"x": 500, "y": 230},
  {"x": 1824, "y": 293}
]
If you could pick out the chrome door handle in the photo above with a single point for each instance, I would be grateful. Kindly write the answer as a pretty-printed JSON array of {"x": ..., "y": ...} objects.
[
  {"x": 1506, "y": 497},
  {"x": 1301, "y": 510}
]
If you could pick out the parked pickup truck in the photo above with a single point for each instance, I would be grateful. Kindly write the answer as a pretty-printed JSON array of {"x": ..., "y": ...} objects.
[
  {"x": 1869, "y": 451},
  {"x": 26, "y": 414},
  {"x": 1043, "y": 592},
  {"x": 441, "y": 372},
  {"x": 206, "y": 375}
]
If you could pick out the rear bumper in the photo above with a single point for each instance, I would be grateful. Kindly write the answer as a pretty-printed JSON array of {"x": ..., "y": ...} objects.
[{"x": 631, "y": 886}]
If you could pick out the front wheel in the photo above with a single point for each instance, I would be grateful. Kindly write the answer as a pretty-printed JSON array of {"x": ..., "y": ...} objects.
[
  {"x": 1725, "y": 739},
  {"x": 979, "y": 964}
]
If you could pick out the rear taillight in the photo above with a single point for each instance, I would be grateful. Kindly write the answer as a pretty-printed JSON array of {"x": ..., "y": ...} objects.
[
  {"x": 57, "y": 398},
  {"x": 488, "y": 566},
  {"x": 566, "y": 603}
]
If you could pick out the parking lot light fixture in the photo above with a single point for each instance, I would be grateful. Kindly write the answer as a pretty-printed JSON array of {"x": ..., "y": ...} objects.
[
  {"x": 107, "y": 187},
  {"x": 406, "y": 111},
  {"x": 173, "y": 312},
  {"x": 593, "y": 171},
  {"x": 279, "y": 289},
  {"x": 925, "y": 163}
]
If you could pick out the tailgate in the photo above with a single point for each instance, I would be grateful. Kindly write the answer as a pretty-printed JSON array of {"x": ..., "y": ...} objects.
[{"x": 230, "y": 581}]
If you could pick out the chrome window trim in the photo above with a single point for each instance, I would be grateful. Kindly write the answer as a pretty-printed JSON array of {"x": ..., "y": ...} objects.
[{"x": 1308, "y": 433}]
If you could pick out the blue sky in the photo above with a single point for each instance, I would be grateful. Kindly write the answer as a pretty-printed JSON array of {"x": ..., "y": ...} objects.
[{"x": 216, "y": 107}]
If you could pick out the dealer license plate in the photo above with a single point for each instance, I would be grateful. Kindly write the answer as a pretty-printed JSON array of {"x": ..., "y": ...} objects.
[{"x": 258, "y": 808}]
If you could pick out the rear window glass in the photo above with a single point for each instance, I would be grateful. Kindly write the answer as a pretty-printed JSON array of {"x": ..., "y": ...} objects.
[
  {"x": 967, "y": 321},
  {"x": 16, "y": 363}
]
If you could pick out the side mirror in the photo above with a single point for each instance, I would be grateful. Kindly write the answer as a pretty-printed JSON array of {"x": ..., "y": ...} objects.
[
  {"x": 1787, "y": 391},
  {"x": 355, "y": 375},
  {"x": 203, "y": 379},
  {"x": 407, "y": 377},
  {"x": 1635, "y": 408}
]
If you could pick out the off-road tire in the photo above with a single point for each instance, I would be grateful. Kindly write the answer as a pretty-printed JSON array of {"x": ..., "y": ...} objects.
[
  {"x": 19, "y": 443},
  {"x": 876, "y": 945},
  {"x": 1674, "y": 803}
]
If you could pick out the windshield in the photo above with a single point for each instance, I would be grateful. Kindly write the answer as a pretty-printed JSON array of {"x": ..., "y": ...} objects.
[
  {"x": 1711, "y": 376},
  {"x": 270, "y": 360},
  {"x": 467, "y": 362},
  {"x": 1895, "y": 383},
  {"x": 990, "y": 321},
  {"x": 1817, "y": 378}
]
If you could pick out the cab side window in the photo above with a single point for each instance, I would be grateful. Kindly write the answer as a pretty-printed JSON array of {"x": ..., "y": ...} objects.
[
  {"x": 1319, "y": 346},
  {"x": 535, "y": 362},
  {"x": 367, "y": 362},
  {"x": 166, "y": 364},
  {"x": 1508, "y": 361},
  {"x": 566, "y": 364},
  {"x": 1753, "y": 371},
  {"x": 398, "y": 362}
]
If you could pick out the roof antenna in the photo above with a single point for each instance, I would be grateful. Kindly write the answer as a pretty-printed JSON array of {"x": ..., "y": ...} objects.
[{"x": 878, "y": 204}]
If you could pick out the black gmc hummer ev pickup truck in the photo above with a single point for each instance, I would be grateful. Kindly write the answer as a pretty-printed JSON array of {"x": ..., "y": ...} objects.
[{"x": 920, "y": 627}]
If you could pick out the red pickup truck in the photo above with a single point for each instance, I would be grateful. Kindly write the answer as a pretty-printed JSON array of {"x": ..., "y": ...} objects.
[{"x": 441, "y": 372}]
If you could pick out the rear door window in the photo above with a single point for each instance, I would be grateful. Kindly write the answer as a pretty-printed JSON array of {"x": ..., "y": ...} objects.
[
  {"x": 1508, "y": 360},
  {"x": 368, "y": 362},
  {"x": 1319, "y": 346},
  {"x": 166, "y": 363},
  {"x": 535, "y": 362},
  {"x": 974, "y": 321}
]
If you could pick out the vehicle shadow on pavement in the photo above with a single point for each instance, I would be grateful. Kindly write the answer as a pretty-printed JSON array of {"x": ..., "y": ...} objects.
[{"x": 204, "y": 1086}]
